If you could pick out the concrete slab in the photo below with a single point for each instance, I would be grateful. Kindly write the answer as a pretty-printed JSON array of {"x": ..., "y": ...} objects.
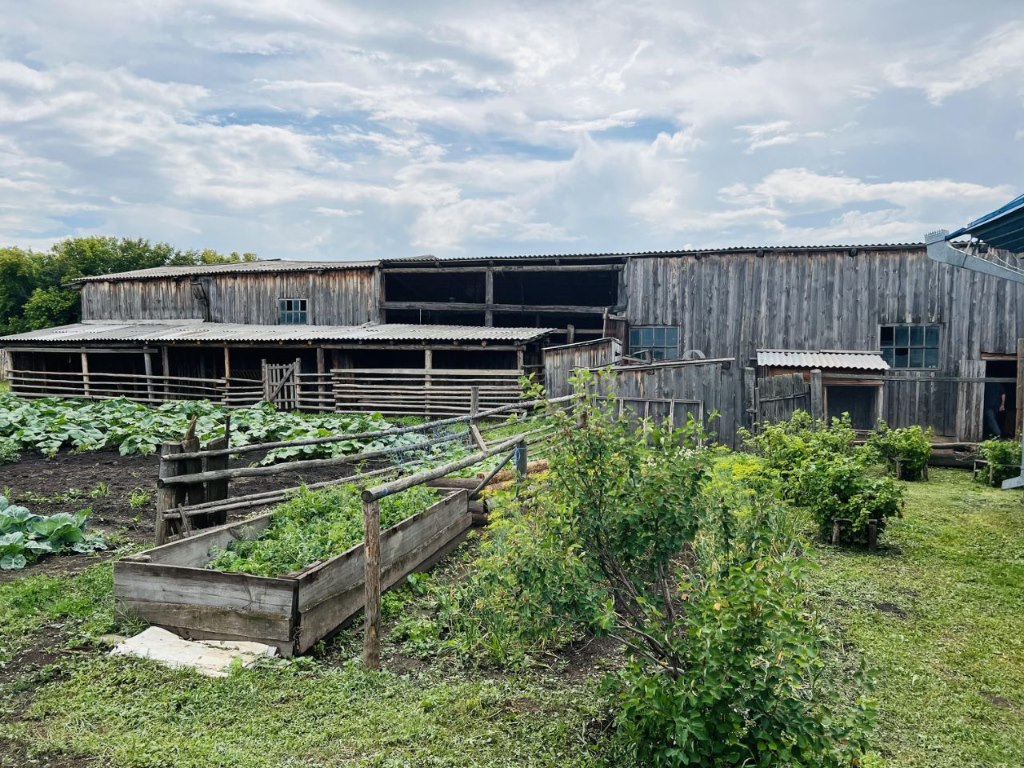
[{"x": 208, "y": 657}]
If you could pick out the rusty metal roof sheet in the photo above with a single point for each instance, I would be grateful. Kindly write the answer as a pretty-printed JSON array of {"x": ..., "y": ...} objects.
[
  {"x": 794, "y": 358},
  {"x": 241, "y": 267},
  {"x": 197, "y": 331}
]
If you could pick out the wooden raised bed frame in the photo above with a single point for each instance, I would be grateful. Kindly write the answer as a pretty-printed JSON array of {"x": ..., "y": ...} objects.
[{"x": 170, "y": 587}]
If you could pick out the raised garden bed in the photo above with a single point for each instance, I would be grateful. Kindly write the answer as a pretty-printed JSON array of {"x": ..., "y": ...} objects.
[{"x": 169, "y": 586}]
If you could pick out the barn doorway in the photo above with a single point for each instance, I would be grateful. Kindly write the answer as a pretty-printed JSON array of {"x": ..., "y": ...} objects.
[
  {"x": 861, "y": 402},
  {"x": 999, "y": 417}
]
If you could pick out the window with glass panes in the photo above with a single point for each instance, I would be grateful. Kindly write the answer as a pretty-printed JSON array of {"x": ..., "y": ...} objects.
[
  {"x": 910, "y": 346},
  {"x": 659, "y": 342},
  {"x": 292, "y": 312}
]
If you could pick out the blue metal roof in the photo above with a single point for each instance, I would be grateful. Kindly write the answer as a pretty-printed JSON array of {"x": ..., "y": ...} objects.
[{"x": 1002, "y": 228}]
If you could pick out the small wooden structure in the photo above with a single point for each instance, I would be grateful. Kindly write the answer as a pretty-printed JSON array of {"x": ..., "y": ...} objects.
[{"x": 169, "y": 586}]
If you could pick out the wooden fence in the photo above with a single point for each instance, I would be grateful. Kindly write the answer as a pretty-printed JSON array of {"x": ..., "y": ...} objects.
[
  {"x": 418, "y": 392},
  {"x": 140, "y": 388}
]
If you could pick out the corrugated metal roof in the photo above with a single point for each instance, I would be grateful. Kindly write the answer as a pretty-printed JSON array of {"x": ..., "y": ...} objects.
[
  {"x": 439, "y": 261},
  {"x": 1002, "y": 228},
  {"x": 271, "y": 266},
  {"x": 792, "y": 358},
  {"x": 241, "y": 267},
  {"x": 197, "y": 331}
]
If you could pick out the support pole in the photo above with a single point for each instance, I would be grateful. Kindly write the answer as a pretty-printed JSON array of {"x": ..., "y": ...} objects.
[
  {"x": 85, "y": 373},
  {"x": 521, "y": 464},
  {"x": 817, "y": 396},
  {"x": 167, "y": 495},
  {"x": 147, "y": 361},
  {"x": 371, "y": 601},
  {"x": 488, "y": 297},
  {"x": 165, "y": 365}
]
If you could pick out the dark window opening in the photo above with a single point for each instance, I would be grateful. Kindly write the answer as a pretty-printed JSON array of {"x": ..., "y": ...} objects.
[
  {"x": 472, "y": 358},
  {"x": 860, "y": 402},
  {"x": 585, "y": 327},
  {"x": 434, "y": 317},
  {"x": 910, "y": 346},
  {"x": 577, "y": 289},
  {"x": 461, "y": 287},
  {"x": 654, "y": 342},
  {"x": 292, "y": 312}
]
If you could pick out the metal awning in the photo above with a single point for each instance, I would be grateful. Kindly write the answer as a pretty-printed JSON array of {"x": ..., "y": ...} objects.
[
  {"x": 843, "y": 359},
  {"x": 1002, "y": 228}
]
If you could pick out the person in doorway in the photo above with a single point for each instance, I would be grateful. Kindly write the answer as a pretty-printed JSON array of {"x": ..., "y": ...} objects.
[{"x": 995, "y": 408}]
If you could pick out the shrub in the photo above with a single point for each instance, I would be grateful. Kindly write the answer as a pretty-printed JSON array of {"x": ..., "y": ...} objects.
[
  {"x": 911, "y": 446},
  {"x": 751, "y": 688},
  {"x": 635, "y": 537},
  {"x": 817, "y": 466},
  {"x": 1003, "y": 457}
]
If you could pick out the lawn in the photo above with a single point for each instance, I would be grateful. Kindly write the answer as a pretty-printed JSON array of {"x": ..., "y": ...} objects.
[
  {"x": 936, "y": 613},
  {"x": 939, "y": 614}
]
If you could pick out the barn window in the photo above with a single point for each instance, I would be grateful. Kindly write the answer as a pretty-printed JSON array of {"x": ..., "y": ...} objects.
[
  {"x": 292, "y": 312},
  {"x": 910, "y": 346},
  {"x": 656, "y": 342}
]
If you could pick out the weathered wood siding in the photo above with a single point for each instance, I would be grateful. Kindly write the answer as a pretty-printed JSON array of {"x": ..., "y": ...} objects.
[
  {"x": 561, "y": 362},
  {"x": 733, "y": 303},
  {"x": 712, "y": 383},
  {"x": 336, "y": 297}
]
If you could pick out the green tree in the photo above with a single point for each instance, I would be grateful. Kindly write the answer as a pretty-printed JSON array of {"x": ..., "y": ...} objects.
[{"x": 35, "y": 289}]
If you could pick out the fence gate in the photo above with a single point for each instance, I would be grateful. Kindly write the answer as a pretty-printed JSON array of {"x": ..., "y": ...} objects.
[
  {"x": 777, "y": 398},
  {"x": 281, "y": 384}
]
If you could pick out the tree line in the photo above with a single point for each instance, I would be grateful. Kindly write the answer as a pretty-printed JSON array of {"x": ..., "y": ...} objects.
[{"x": 35, "y": 289}]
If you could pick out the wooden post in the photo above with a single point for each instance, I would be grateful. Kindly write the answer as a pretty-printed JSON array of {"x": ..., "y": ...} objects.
[
  {"x": 519, "y": 360},
  {"x": 488, "y": 297},
  {"x": 570, "y": 333},
  {"x": 266, "y": 380},
  {"x": 165, "y": 366},
  {"x": 85, "y": 373},
  {"x": 817, "y": 396},
  {"x": 148, "y": 363},
  {"x": 872, "y": 534},
  {"x": 166, "y": 496},
  {"x": 1019, "y": 403},
  {"x": 836, "y": 531},
  {"x": 428, "y": 364},
  {"x": 321, "y": 370},
  {"x": 371, "y": 595},
  {"x": 474, "y": 401},
  {"x": 521, "y": 464}
]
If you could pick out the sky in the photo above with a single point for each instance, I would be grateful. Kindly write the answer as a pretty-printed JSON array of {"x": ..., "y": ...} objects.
[{"x": 311, "y": 129}]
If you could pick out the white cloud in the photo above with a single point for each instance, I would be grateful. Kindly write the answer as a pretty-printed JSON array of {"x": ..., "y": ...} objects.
[
  {"x": 964, "y": 63},
  {"x": 334, "y": 129}
]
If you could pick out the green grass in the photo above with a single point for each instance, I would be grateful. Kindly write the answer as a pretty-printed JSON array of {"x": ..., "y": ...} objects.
[
  {"x": 940, "y": 616},
  {"x": 134, "y": 713},
  {"x": 938, "y": 613}
]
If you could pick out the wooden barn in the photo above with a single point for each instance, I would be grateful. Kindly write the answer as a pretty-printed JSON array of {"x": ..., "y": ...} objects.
[{"x": 751, "y": 333}]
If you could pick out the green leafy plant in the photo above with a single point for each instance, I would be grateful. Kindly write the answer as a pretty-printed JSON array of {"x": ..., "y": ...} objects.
[
  {"x": 1003, "y": 457},
  {"x": 817, "y": 466},
  {"x": 25, "y": 537},
  {"x": 314, "y": 526},
  {"x": 100, "y": 491},
  {"x": 138, "y": 499},
  {"x": 48, "y": 425},
  {"x": 907, "y": 448},
  {"x": 9, "y": 451}
]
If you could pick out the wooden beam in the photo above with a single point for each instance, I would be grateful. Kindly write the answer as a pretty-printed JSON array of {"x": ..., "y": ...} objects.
[
  {"x": 85, "y": 373},
  {"x": 1019, "y": 403},
  {"x": 371, "y": 584},
  {"x": 481, "y": 307},
  {"x": 148, "y": 361},
  {"x": 444, "y": 269}
]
